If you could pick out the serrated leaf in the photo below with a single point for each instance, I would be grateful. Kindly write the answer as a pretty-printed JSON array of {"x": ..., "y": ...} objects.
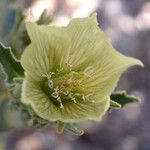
[
  {"x": 122, "y": 98},
  {"x": 73, "y": 129},
  {"x": 11, "y": 65}
]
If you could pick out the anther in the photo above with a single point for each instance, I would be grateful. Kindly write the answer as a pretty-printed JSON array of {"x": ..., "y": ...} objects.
[
  {"x": 66, "y": 93},
  {"x": 77, "y": 94},
  {"x": 49, "y": 75},
  {"x": 55, "y": 94},
  {"x": 72, "y": 98},
  {"x": 60, "y": 69},
  {"x": 84, "y": 98},
  {"x": 50, "y": 84},
  {"x": 56, "y": 89},
  {"x": 59, "y": 100}
]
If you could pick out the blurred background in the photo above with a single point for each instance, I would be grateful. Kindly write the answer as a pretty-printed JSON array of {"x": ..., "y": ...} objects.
[{"x": 127, "y": 25}]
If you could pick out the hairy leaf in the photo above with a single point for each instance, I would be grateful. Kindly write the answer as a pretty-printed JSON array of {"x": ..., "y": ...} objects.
[
  {"x": 122, "y": 98},
  {"x": 11, "y": 66}
]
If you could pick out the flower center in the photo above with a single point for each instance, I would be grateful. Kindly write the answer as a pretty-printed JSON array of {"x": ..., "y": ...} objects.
[{"x": 64, "y": 89}]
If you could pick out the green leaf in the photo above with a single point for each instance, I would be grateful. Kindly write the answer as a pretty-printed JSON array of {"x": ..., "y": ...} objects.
[
  {"x": 73, "y": 129},
  {"x": 11, "y": 65},
  {"x": 122, "y": 98}
]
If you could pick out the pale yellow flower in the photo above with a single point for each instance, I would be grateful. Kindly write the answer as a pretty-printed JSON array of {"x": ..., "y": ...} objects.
[{"x": 71, "y": 71}]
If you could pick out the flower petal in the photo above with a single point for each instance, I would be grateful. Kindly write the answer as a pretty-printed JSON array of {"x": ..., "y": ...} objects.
[
  {"x": 91, "y": 52},
  {"x": 83, "y": 34},
  {"x": 48, "y": 45},
  {"x": 33, "y": 95},
  {"x": 76, "y": 112},
  {"x": 72, "y": 112},
  {"x": 102, "y": 78}
]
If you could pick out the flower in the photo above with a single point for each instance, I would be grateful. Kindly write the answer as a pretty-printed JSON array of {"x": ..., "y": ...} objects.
[{"x": 70, "y": 72}]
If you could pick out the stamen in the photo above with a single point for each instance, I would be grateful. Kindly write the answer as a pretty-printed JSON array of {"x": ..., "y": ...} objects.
[
  {"x": 84, "y": 98},
  {"x": 55, "y": 94},
  {"x": 56, "y": 89},
  {"x": 60, "y": 69},
  {"x": 72, "y": 98},
  {"x": 64, "y": 86},
  {"x": 43, "y": 75},
  {"x": 66, "y": 93},
  {"x": 50, "y": 84},
  {"x": 77, "y": 94},
  {"x": 59, "y": 100},
  {"x": 48, "y": 75}
]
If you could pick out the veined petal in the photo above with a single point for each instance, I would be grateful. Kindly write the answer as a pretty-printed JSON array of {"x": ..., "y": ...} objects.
[
  {"x": 72, "y": 112},
  {"x": 91, "y": 52},
  {"x": 33, "y": 95},
  {"x": 77, "y": 112},
  {"x": 48, "y": 45},
  {"x": 101, "y": 79},
  {"x": 83, "y": 35},
  {"x": 89, "y": 46}
]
